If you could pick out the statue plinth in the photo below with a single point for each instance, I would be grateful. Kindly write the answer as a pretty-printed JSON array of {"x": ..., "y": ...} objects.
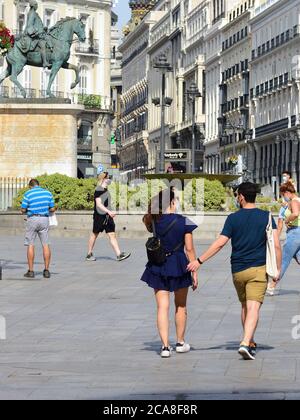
[{"x": 38, "y": 137}]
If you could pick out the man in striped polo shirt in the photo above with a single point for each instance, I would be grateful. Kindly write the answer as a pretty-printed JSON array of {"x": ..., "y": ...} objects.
[{"x": 37, "y": 204}]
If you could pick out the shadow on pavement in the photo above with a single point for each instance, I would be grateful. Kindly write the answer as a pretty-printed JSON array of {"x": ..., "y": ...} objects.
[{"x": 232, "y": 346}]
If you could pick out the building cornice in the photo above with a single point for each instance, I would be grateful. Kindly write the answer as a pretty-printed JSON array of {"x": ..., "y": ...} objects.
[
  {"x": 277, "y": 4},
  {"x": 96, "y": 4},
  {"x": 131, "y": 37}
]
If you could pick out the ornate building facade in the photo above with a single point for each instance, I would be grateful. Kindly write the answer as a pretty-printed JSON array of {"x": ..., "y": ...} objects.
[
  {"x": 94, "y": 61},
  {"x": 275, "y": 91}
]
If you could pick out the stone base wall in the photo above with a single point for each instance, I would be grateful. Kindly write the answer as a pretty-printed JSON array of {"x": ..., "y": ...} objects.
[
  {"x": 37, "y": 139},
  {"x": 79, "y": 224}
]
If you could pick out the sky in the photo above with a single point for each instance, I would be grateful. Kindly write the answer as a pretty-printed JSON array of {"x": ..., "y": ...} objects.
[{"x": 123, "y": 11}]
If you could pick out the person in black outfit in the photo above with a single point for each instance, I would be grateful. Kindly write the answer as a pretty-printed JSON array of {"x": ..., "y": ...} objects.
[{"x": 104, "y": 220}]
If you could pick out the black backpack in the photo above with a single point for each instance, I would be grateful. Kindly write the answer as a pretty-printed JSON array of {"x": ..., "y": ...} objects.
[{"x": 157, "y": 255}]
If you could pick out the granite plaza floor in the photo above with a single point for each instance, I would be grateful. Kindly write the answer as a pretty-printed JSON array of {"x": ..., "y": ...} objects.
[{"x": 89, "y": 332}]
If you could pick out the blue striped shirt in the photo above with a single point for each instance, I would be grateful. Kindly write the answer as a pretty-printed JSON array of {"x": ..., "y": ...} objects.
[{"x": 38, "y": 201}]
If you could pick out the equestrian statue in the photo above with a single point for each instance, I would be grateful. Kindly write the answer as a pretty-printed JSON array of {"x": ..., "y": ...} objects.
[{"x": 43, "y": 47}]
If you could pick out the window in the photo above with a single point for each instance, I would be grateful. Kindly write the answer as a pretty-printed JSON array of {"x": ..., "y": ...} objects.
[
  {"x": 27, "y": 78},
  {"x": 48, "y": 18},
  {"x": 21, "y": 22},
  {"x": 83, "y": 84}
]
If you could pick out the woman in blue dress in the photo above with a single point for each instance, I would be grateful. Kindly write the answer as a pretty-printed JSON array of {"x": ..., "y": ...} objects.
[{"x": 176, "y": 235}]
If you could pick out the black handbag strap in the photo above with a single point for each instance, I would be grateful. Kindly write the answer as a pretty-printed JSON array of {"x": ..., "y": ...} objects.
[{"x": 167, "y": 230}]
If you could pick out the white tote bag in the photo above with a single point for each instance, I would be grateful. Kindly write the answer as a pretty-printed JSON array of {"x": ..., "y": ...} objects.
[
  {"x": 272, "y": 269},
  {"x": 53, "y": 220}
]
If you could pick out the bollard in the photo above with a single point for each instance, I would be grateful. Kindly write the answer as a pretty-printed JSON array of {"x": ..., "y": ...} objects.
[{"x": 0, "y": 271}]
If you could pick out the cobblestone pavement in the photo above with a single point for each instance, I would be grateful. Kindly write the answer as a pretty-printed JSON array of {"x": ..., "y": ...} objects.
[{"x": 89, "y": 332}]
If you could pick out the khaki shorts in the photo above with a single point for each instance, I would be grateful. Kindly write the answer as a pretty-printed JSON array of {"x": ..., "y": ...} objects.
[
  {"x": 37, "y": 226},
  {"x": 251, "y": 284}
]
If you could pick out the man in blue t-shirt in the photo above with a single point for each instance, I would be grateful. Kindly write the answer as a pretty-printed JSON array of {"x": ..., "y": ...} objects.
[
  {"x": 38, "y": 204},
  {"x": 247, "y": 231}
]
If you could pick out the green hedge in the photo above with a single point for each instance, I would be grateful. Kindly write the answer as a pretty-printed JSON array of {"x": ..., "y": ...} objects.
[
  {"x": 69, "y": 193},
  {"x": 77, "y": 194}
]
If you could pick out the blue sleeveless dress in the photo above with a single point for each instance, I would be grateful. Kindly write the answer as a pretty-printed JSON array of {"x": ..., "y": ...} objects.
[{"x": 173, "y": 274}]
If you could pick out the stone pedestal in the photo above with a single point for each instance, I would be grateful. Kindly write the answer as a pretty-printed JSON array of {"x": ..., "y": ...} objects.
[{"x": 38, "y": 137}]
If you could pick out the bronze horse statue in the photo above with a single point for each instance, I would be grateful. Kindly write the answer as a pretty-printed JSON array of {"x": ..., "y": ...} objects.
[{"x": 61, "y": 39}]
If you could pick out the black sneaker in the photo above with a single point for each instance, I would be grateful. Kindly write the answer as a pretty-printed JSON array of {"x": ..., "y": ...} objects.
[
  {"x": 46, "y": 274},
  {"x": 253, "y": 348},
  {"x": 123, "y": 256},
  {"x": 29, "y": 274},
  {"x": 90, "y": 257},
  {"x": 246, "y": 352}
]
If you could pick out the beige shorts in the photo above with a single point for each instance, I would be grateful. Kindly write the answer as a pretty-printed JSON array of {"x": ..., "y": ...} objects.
[
  {"x": 37, "y": 226},
  {"x": 251, "y": 284}
]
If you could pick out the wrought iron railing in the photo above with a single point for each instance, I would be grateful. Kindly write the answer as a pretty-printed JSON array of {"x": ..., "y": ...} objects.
[
  {"x": 85, "y": 143},
  {"x": 16, "y": 93},
  {"x": 90, "y": 47}
]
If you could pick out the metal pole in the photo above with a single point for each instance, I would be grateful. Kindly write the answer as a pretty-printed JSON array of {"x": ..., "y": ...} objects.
[
  {"x": 193, "y": 137},
  {"x": 234, "y": 149},
  {"x": 136, "y": 155},
  {"x": 162, "y": 136}
]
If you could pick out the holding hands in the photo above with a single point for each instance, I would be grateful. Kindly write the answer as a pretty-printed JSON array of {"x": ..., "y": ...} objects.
[{"x": 194, "y": 266}]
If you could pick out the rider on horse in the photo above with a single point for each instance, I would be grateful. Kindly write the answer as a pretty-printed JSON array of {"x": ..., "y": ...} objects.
[{"x": 35, "y": 29}]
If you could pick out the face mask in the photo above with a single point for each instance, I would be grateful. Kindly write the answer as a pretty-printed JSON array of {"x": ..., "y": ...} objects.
[
  {"x": 177, "y": 207},
  {"x": 285, "y": 179},
  {"x": 286, "y": 199}
]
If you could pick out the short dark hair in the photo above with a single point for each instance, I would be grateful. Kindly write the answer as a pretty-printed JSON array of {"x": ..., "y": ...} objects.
[
  {"x": 288, "y": 187},
  {"x": 287, "y": 173},
  {"x": 249, "y": 191},
  {"x": 33, "y": 183}
]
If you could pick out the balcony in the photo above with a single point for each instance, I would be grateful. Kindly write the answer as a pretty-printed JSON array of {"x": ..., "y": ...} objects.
[
  {"x": 88, "y": 48},
  {"x": 84, "y": 144},
  {"x": 276, "y": 42},
  {"x": 30, "y": 93},
  {"x": 57, "y": 94}
]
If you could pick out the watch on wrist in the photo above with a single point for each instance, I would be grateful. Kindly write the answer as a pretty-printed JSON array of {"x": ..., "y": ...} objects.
[{"x": 199, "y": 261}]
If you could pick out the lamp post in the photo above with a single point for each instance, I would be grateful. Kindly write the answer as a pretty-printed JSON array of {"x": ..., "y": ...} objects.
[
  {"x": 193, "y": 93},
  {"x": 234, "y": 128},
  {"x": 162, "y": 65},
  {"x": 136, "y": 131}
]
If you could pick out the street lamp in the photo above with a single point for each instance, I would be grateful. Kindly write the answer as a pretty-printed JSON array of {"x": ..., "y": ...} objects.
[
  {"x": 193, "y": 93},
  {"x": 234, "y": 128},
  {"x": 248, "y": 136},
  {"x": 162, "y": 65},
  {"x": 136, "y": 131}
]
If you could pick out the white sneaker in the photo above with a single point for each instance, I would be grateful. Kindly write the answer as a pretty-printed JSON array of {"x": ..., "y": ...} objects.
[
  {"x": 182, "y": 348},
  {"x": 166, "y": 352},
  {"x": 270, "y": 291}
]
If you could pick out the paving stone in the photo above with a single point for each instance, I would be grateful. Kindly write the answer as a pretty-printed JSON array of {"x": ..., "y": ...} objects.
[{"x": 90, "y": 332}]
